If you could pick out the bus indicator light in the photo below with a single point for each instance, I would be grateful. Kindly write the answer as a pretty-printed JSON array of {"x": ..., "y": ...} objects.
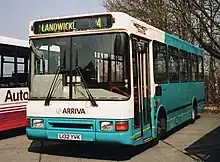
[{"x": 121, "y": 126}]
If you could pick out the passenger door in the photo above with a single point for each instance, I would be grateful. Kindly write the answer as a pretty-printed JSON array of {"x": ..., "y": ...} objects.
[{"x": 141, "y": 87}]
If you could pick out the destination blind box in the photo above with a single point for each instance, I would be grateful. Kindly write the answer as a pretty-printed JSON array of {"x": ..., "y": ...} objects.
[{"x": 72, "y": 24}]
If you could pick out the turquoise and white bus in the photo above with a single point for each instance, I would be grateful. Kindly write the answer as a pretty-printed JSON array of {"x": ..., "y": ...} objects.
[{"x": 111, "y": 78}]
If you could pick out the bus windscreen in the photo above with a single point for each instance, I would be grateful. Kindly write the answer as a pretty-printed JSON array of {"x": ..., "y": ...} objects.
[{"x": 72, "y": 24}]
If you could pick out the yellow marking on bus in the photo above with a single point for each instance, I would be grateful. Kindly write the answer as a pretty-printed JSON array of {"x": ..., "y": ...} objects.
[
  {"x": 147, "y": 139},
  {"x": 171, "y": 119},
  {"x": 154, "y": 127},
  {"x": 135, "y": 134},
  {"x": 137, "y": 139},
  {"x": 140, "y": 132}
]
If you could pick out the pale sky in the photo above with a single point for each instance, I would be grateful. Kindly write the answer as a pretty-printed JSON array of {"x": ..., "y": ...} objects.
[{"x": 15, "y": 15}]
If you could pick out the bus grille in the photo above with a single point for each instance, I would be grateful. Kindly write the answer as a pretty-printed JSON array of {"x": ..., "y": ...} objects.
[{"x": 71, "y": 125}]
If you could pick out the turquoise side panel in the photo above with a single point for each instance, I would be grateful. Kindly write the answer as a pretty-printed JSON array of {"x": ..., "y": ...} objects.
[
  {"x": 177, "y": 99},
  {"x": 146, "y": 132},
  {"x": 181, "y": 44}
]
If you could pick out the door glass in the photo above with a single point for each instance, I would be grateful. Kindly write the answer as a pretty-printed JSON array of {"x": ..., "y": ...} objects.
[
  {"x": 135, "y": 84},
  {"x": 146, "y": 86}
]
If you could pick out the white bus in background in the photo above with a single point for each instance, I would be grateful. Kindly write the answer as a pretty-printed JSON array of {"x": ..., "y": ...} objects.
[{"x": 14, "y": 60}]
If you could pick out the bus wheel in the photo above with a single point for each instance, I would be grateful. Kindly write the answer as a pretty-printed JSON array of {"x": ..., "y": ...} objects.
[
  {"x": 194, "y": 111},
  {"x": 161, "y": 129}
]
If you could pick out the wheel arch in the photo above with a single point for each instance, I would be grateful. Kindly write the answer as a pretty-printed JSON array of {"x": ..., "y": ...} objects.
[{"x": 161, "y": 111}]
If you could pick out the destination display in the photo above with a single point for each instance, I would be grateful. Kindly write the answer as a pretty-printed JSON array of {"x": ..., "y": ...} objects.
[{"x": 72, "y": 24}]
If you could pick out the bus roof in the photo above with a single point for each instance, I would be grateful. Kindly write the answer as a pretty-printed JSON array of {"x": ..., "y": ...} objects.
[
  {"x": 152, "y": 32},
  {"x": 75, "y": 16},
  {"x": 14, "y": 42}
]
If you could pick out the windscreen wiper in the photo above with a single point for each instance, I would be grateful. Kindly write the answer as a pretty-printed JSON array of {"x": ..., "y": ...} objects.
[
  {"x": 54, "y": 84},
  {"x": 93, "y": 102}
]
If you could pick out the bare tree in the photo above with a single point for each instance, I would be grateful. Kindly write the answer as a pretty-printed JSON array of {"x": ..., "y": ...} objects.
[
  {"x": 196, "y": 21},
  {"x": 203, "y": 24},
  {"x": 154, "y": 12},
  {"x": 201, "y": 19}
]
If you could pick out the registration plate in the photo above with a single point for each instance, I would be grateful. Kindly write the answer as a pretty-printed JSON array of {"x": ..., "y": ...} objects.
[{"x": 64, "y": 136}]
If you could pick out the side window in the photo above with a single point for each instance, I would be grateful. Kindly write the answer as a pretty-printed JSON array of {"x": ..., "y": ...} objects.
[
  {"x": 200, "y": 69},
  {"x": 20, "y": 76},
  {"x": 190, "y": 67},
  {"x": 194, "y": 66},
  {"x": 184, "y": 67},
  {"x": 13, "y": 66},
  {"x": 8, "y": 66},
  {"x": 7, "y": 69},
  {"x": 20, "y": 65},
  {"x": 160, "y": 62},
  {"x": 0, "y": 65},
  {"x": 173, "y": 64}
]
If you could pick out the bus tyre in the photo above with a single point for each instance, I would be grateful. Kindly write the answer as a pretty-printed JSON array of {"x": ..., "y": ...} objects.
[
  {"x": 194, "y": 113},
  {"x": 193, "y": 119},
  {"x": 155, "y": 141},
  {"x": 161, "y": 130}
]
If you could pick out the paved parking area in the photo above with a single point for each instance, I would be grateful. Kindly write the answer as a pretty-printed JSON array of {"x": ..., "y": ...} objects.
[{"x": 197, "y": 142}]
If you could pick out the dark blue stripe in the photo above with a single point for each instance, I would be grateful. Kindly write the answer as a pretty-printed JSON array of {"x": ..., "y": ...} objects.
[{"x": 182, "y": 107}]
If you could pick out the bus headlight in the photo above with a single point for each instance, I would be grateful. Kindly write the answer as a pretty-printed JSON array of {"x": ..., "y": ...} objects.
[
  {"x": 106, "y": 126},
  {"x": 38, "y": 123}
]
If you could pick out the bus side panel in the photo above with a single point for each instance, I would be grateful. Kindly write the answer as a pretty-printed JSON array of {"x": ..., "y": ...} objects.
[
  {"x": 177, "y": 101},
  {"x": 180, "y": 116},
  {"x": 197, "y": 91},
  {"x": 13, "y": 104},
  {"x": 174, "y": 98},
  {"x": 12, "y": 120}
]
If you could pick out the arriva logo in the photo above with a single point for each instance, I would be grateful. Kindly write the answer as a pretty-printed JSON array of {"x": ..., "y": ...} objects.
[
  {"x": 16, "y": 96},
  {"x": 71, "y": 111}
]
